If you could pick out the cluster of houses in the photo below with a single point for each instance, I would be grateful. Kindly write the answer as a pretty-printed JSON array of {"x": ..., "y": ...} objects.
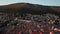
[{"x": 30, "y": 24}]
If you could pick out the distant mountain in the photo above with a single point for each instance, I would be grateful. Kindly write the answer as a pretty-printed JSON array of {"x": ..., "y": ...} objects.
[{"x": 30, "y": 8}]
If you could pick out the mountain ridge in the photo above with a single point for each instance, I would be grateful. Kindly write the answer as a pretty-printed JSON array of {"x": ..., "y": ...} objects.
[{"x": 27, "y": 7}]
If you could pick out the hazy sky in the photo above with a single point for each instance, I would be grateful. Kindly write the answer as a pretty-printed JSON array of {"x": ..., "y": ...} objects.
[{"x": 43, "y": 2}]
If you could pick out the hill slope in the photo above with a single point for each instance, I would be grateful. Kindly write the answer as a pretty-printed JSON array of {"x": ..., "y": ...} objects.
[
  {"x": 30, "y": 8},
  {"x": 25, "y": 18}
]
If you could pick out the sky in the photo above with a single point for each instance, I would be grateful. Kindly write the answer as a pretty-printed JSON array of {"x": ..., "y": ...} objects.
[{"x": 40, "y": 2}]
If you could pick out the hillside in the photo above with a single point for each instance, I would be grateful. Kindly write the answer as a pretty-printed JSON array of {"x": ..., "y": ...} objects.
[
  {"x": 26, "y": 18},
  {"x": 30, "y": 8}
]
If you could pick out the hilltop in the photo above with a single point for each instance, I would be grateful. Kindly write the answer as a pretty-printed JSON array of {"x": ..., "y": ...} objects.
[{"x": 30, "y": 8}]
